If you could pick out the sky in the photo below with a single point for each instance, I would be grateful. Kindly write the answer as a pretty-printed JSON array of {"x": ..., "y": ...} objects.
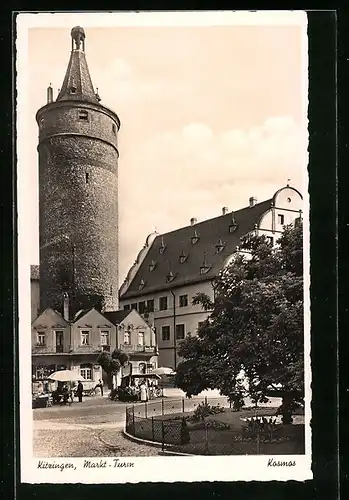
[{"x": 210, "y": 116}]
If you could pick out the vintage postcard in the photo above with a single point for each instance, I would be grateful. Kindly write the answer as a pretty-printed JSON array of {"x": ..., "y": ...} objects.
[{"x": 163, "y": 232}]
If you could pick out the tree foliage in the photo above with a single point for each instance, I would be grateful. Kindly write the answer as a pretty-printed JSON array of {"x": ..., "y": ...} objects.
[
  {"x": 255, "y": 326},
  {"x": 111, "y": 363}
]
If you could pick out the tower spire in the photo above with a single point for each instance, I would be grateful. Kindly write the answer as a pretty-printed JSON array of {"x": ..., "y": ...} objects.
[{"x": 77, "y": 84}]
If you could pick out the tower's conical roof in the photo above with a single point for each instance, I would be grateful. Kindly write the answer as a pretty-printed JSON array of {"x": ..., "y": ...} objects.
[{"x": 77, "y": 84}]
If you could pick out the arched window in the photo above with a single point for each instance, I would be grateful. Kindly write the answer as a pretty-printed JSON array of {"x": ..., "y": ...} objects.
[{"x": 142, "y": 368}]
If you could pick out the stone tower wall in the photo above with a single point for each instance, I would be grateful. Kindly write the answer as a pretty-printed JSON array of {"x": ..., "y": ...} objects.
[{"x": 78, "y": 213}]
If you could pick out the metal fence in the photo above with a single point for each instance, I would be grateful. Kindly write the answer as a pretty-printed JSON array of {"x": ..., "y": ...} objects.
[
  {"x": 166, "y": 422},
  {"x": 165, "y": 406}
]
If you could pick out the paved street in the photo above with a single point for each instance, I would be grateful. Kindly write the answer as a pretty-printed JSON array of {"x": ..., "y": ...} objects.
[{"x": 94, "y": 427}]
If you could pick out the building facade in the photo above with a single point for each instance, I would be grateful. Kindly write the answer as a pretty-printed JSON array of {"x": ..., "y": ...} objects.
[
  {"x": 172, "y": 268},
  {"x": 60, "y": 344},
  {"x": 78, "y": 191}
]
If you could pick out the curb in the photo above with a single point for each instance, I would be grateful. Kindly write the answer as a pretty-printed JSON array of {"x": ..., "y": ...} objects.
[{"x": 154, "y": 444}]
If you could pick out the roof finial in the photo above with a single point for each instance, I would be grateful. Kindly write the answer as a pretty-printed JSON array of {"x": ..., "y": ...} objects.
[
  {"x": 288, "y": 181},
  {"x": 78, "y": 36}
]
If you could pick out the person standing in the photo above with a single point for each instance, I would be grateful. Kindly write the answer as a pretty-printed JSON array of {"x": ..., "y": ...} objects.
[
  {"x": 100, "y": 386},
  {"x": 144, "y": 392},
  {"x": 79, "y": 391}
]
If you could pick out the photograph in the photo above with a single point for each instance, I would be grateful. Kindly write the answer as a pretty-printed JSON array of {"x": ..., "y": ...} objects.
[{"x": 163, "y": 236}]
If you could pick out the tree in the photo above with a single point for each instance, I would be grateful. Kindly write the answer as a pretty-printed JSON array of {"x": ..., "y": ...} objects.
[
  {"x": 111, "y": 363},
  {"x": 255, "y": 326}
]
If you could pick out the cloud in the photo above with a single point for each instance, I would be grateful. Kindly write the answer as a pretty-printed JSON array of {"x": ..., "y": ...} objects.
[{"x": 194, "y": 172}]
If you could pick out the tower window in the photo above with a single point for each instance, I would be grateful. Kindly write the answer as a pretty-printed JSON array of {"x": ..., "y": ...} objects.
[
  {"x": 87, "y": 177},
  {"x": 281, "y": 219},
  {"x": 83, "y": 115},
  {"x": 113, "y": 129},
  {"x": 72, "y": 90}
]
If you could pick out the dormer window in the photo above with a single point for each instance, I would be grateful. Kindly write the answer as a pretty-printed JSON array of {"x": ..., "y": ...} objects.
[
  {"x": 141, "y": 284},
  {"x": 170, "y": 277},
  {"x": 205, "y": 267},
  {"x": 233, "y": 224},
  {"x": 152, "y": 265},
  {"x": 195, "y": 238},
  {"x": 162, "y": 246},
  {"x": 183, "y": 257},
  {"x": 220, "y": 245}
]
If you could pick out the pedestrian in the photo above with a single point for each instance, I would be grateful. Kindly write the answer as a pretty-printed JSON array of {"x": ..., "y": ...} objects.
[
  {"x": 100, "y": 386},
  {"x": 144, "y": 392},
  {"x": 79, "y": 391}
]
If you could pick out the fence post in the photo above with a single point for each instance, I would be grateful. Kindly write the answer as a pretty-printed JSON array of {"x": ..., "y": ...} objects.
[
  {"x": 152, "y": 427},
  {"x": 206, "y": 400},
  {"x": 133, "y": 420},
  {"x": 162, "y": 407},
  {"x": 183, "y": 405},
  {"x": 163, "y": 436},
  {"x": 146, "y": 410}
]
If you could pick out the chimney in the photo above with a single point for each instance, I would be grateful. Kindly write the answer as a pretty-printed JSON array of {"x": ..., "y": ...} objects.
[
  {"x": 66, "y": 307},
  {"x": 193, "y": 221},
  {"x": 49, "y": 94},
  {"x": 224, "y": 210},
  {"x": 252, "y": 201}
]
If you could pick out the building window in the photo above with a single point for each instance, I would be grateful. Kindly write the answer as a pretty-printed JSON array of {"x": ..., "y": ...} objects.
[
  {"x": 104, "y": 337},
  {"x": 127, "y": 307},
  {"x": 113, "y": 128},
  {"x": 142, "y": 367},
  {"x": 150, "y": 305},
  {"x": 141, "y": 307},
  {"x": 165, "y": 333},
  {"x": 163, "y": 303},
  {"x": 201, "y": 324},
  {"x": 134, "y": 306},
  {"x": 41, "y": 338},
  {"x": 270, "y": 240},
  {"x": 180, "y": 332},
  {"x": 86, "y": 372},
  {"x": 183, "y": 300},
  {"x": 85, "y": 337},
  {"x": 140, "y": 338},
  {"x": 281, "y": 219},
  {"x": 72, "y": 90},
  {"x": 87, "y": 177},
  {"x": 127, "y": 337},
  {"x": 83, "y": 115}
]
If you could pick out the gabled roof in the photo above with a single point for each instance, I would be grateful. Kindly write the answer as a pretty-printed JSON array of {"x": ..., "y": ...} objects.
[
  {"x": 34, "y": 272},
  {"x": 116, "y": 317},
  {"x": 156, "y": 266}
]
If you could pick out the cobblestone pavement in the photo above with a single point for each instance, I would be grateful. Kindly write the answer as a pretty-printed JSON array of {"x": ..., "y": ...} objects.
[{"x": 82, "y": 430}]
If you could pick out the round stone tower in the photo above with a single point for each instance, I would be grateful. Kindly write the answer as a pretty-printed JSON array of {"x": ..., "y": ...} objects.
[{"x": 78, "y": 192}]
